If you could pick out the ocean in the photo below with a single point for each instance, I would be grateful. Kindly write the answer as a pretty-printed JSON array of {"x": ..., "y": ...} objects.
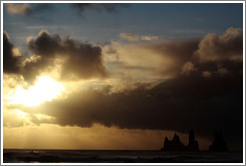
[{"x": 117, "y": 156}]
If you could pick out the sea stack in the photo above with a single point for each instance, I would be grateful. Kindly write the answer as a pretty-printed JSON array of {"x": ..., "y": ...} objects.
[
  {"x": 173, "y": 145},
  {"x": 219, "y": 144},
  {"x": 193, "y": 144}
]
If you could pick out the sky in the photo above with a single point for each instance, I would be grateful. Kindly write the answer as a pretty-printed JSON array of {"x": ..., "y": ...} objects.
[{"x": 130, "y": 74}]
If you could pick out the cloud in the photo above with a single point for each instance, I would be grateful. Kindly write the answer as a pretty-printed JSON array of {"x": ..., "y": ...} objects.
[
  {"x": 17, "y": 8},
  {"x": 223, "y": 71},
  {"x": 180, "y": 104},
  {"x": 11, "y": 58},
  {"x": 133, "y": 37},
  {"x": 26, "y": 9},
  {"x": 80, "y": 61},
  {"x": 213, "y": 54},
  {"x": 129, "y": 36},
  {"x": 109, "y": 7},
  {"x": 206, "y": 74},
  {"x": 164, "y": 59},
  {"x": 159, "y": 59},
  {"x": 13, "y": 118},
  {"x": 188, "y": 67},
  {"x": 76, "y": 60},
  {"x": 229, "y": 46},
  {"x": 176, "y": 55},
  {"x": 144, "y": 37}
]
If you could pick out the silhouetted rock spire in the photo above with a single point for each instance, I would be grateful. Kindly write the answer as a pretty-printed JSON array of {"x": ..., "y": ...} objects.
[
  {"x": 219, "y": 144},
  {"x": 173, "y": 145},
  {"x": 193, "y": 144}
]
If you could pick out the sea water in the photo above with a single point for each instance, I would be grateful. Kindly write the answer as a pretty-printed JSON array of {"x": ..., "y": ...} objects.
[{"x": 117, "y": 156}]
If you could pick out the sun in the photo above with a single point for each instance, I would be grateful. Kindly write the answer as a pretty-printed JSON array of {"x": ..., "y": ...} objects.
[{"x": 45, "y": 89}]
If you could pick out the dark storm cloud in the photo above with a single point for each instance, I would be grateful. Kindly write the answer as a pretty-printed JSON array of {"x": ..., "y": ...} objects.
[
  {"x": 78, "y": 60},
  {"x": 213, "y": 53},
  {"x": 188, "y": 102},
  {"x": 220, "y": 55},
  {"x": 219, "y": 48},
  {"x": 33, "y": 69},
  {"x": 45, "y": 44},
  {"x": 81, "y": 61},
  {"x": 12, "y": 62},
  {"x": 109, "y": 7}
]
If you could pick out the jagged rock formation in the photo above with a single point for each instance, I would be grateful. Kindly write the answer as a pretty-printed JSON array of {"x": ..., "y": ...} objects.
[
  {"x": 173, "y": 145},
  {"x": 219, "y": 144},
  {"x": 176, "y": 145},
  {"x": 193, "y": 144}
]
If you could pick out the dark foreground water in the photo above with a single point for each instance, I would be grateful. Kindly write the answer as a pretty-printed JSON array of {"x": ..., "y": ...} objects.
[{"x": 117, "y": 156}]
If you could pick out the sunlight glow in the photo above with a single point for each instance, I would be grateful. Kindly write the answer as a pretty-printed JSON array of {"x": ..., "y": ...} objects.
[
  {"x": 45, "y": 89},
  {"x": 20, "y": 114}
]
